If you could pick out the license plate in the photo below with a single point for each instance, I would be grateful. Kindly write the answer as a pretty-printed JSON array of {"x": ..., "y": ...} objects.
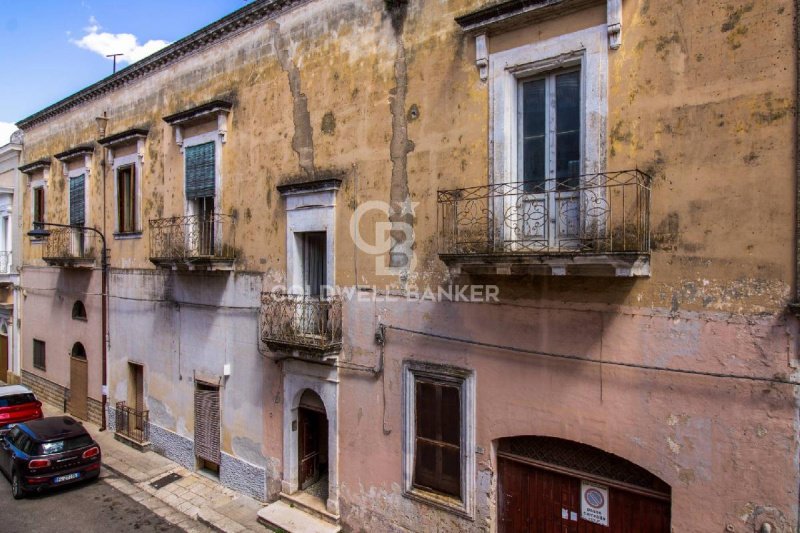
[{"x": 68, "y": 477}]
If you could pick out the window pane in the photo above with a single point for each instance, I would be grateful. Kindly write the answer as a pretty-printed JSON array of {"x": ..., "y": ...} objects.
[
  {"x": 533, "y": 134},
  {"x": 427, "y": 408},
  {"x": 425, "y": 464},
  {"x": 568, "y": 129},
  {"x": 450, "y": 478},
  {"x": 451, "y": 415}
]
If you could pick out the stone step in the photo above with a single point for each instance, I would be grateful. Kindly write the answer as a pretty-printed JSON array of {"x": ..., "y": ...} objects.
[
  {"x": 311, "y": 505},
  {"x": 282, "y": 517}
]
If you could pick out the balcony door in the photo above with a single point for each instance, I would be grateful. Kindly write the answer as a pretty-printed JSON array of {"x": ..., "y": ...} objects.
[
  {"x": 313, "y": 313},
  {"x": 200, "y": 169},
  {"x": 545, "y": 208}
]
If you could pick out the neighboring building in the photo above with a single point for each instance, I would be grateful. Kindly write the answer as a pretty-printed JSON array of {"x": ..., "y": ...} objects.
[
  {"x": 292, "y": 195},
  {"x": 10, "y": 240}
]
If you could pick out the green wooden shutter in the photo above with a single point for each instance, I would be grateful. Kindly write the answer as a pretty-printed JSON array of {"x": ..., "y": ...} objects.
[
  {"x": 77, "y": 200},
  {"x": 200, "y": 171}
]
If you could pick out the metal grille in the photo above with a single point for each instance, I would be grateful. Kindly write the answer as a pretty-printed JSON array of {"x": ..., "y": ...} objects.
[
  {"x": 597, "y": 213},
  {"x": 200, "y": 170},
  {"x": 299, "y": 321},
  {"x": 583, "y": 458},
  {"x": 132, "y": 423},
  {"x": 193, "y": 237},
  {"x": 206, "y": 424},
  {"x": 77, "y": 200},
  {"x": 69, "y": 244}
]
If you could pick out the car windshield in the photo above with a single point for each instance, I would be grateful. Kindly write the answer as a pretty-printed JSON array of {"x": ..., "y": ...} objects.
[
  {"x": 16, "y": 399},
  {"x": 66, "y": 445}
]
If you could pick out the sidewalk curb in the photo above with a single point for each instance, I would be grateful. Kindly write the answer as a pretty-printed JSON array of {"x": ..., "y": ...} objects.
[{"x": 120, "y": 474}]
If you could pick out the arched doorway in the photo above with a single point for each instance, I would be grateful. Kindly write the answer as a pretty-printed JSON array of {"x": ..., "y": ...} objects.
[
  {"x": 550, "y": 485},
  {"x": 78, "y": 382},
  {"x": 312, "y": 446}
]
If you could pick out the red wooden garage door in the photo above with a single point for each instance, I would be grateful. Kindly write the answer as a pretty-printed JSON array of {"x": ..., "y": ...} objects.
[{"x": 541, "y": 498}]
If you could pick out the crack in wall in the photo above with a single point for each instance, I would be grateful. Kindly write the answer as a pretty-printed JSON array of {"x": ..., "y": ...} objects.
[
  {"x": 303, "y": 138},
  {"x": 400, "y": 146}
]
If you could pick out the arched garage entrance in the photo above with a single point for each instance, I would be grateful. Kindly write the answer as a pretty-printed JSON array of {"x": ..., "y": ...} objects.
[
  {"x": 78, "y": 382},
  {"x": 551, "y": 485}
]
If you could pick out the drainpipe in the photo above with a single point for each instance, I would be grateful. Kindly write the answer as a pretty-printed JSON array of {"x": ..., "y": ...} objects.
[{"x": 101, "y": 125}]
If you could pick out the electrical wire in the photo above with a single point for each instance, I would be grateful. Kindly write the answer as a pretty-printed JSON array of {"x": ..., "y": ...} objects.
[{"x": 592, "y": 360}]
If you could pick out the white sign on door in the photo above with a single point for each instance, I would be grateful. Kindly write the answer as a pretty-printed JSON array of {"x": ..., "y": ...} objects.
[{"x": 594, "y": 503}]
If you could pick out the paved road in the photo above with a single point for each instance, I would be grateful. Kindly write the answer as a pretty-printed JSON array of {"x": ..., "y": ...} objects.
[{"x": 83, "y": 508}]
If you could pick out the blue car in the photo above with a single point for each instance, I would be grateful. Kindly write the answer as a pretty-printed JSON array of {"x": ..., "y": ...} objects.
[{"x": 47, "y": 453}]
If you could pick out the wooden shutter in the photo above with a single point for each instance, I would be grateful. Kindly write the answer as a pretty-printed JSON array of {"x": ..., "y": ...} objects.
[
  {"x": 126, "y": 199},
  {"x": 38, "y": 204},
  {"x": 200, "y": 171},
  {"x": 38, "y": 354},
  {"x": 77, "y": 200},
  {"x": 206, "y": 423},
  {"x": 437, "y": 458}
]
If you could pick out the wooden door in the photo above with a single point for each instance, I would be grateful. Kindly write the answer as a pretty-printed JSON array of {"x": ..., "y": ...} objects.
[
  {"x": 309, "y": 447},
  {"x": 537, "y": 500},
  {"x": 79, "y": 387},
  {"x": 3, "y": 358},
  {"x": 206, "y": 423}
]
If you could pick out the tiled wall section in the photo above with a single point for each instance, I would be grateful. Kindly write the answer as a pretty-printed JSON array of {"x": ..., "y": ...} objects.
[{"x": 54, "y": 394}]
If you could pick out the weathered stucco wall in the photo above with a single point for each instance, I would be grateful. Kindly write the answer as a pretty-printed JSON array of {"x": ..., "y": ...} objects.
[{"x": 700, "y": 97}]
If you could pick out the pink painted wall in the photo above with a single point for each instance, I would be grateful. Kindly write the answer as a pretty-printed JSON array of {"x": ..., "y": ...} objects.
[{"x": 730, "y": 444}]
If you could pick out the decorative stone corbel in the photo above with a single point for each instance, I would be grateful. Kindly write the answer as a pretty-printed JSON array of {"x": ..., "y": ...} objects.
[
  {"x": 222, "y": 126},
  {"x": 178, "y": 135},
  {"x": 87, "y": 165},
  {"x": 110, "y": 158},
  {"x": 140, "y": 149},
  {"x": 482, "y": 56},
  {"x": 614, "y": 18}
]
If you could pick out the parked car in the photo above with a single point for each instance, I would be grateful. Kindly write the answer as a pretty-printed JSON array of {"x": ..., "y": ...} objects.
[
  {"x": 18, "y": 404},
  {"x": 47, "y": 453}
]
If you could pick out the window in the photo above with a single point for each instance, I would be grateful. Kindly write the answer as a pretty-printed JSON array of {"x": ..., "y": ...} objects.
[
  {"x": 439, "y": 434},
  {"x": 39, "y": 354},
  {"x": 550, "y": 131},
  {"x": 437, "y": 445},
  {"x": 200, "y": 175},
  {"x": 126, "y": 199},
  {"x": 77, "y": 200},
  {"x": 38, "y": 204},
  {"x": 78, "y": 311}
]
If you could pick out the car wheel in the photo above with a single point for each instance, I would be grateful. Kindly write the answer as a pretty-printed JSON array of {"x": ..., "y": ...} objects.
[{"x": 16, "y": 487}]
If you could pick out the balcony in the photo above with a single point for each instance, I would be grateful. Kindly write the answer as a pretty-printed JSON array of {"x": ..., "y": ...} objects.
[
  {"x": 592, "y": 225},
  {"x": 131, "y": 426},
  {"x": 70, "y": 248},
  {"x": 306, "y": 324},
  {"x": 193, "y": 242}
]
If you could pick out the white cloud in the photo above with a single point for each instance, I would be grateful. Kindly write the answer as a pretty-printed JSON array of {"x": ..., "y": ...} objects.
[
  {"x": 127, "y": 44},
  {"x": 6, "y": 129}
]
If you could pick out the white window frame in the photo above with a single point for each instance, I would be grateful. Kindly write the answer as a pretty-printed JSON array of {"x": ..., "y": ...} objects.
[
  {"x": 214, "y": 136},
  {"x": 33, "y": 184},
  {"x": 134, "y": 160},
  {"x": 465, "y": 379},
  {"x": 68, "y": 175},
  {"x": 589, "y": 48}
]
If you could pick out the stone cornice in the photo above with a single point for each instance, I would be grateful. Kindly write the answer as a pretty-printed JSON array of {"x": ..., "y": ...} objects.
[
  {"x": 207, "y": 109},
  {"x": 509, "y": 14},
  {"x": 123, "y": 137},
  {"x": 73, "y": 153},
  {"x": 34, "y": 166},
  {"x": 225, "y": 27}
]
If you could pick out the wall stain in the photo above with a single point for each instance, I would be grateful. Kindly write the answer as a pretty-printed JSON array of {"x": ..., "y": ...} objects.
[
  {"x": 400, "y": 145},
  {"x": 303, "y": 138}
]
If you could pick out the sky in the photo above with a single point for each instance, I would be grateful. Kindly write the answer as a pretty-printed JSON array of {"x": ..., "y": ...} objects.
[{"x": 49, "y": 49}]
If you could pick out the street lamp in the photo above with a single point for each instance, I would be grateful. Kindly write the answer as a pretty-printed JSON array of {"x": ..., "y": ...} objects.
[{"x": 39, "y": 232}]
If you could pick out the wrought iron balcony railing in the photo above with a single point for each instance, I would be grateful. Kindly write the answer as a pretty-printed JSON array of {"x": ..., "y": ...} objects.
[
  {"x": 131, "y": 423},
  {"x": 293, "y": 321},
  {"x": 193, "y": 239},
  {"x": 70, "y": 247},
  {"x": 5, "y": 262},
  {"x": 606, "y": 213}
]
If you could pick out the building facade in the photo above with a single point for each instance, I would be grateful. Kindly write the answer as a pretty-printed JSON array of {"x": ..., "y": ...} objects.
[
  {"x": 423, "y": 265},
  {"x": 10, "y": 240}
]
